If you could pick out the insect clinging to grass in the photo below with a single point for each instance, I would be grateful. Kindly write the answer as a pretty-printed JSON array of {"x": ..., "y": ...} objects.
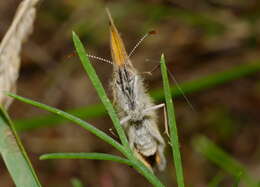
[{"x": 135, "y": 107}]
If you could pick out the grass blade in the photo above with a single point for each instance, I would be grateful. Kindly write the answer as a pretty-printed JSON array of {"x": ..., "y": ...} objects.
[
  {"x": 212, "y": 80},
  {"x": 49, "y": 120},
  {"x": 215, "y": 154},
  {"x": 14, "y": 155},
  {"x": 196, "y": 85},
  {"x": 92, "y": 156},
  {"x": 172, "y": 125},
  {"x": 74, "y": 119},
  {"x": 99, "y": 88},
  {"x": 136, "y": 163},
  {"x": 139, "y": 166}
]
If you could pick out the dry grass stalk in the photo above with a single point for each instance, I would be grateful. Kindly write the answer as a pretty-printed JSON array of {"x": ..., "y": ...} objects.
[{"x": 10, "y": 48}]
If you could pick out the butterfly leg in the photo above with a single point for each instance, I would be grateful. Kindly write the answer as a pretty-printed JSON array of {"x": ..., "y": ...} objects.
[
  {"x": 162, "y": 105},
  {"x": 124, "y": 120}
]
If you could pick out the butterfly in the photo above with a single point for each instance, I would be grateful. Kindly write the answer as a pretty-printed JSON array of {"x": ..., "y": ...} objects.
[{"x": 134, "y": 105}]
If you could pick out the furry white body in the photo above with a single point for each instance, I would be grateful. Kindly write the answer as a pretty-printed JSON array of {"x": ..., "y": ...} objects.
[{"x": 133, "y": 103}]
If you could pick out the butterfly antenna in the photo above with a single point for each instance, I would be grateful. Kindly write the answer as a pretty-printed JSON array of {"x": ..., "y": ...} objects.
[
  {"x": 91, "y": 56},
  {"x": 180, "y": 89},
  {"x": 140, "y": 41},
  {"x": 100, "y": 59}
]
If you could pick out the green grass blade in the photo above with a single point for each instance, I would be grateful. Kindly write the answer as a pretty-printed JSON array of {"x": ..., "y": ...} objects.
[
  {"x": 14, "y": 155},
  {"x": 136, "y": 164},
  {"x": 139, "y": 166},
  {"x": 74, "y": 119},
  {"x": 99, "y": 88},
  {"x": 196, "y": 85},
  {"x": 215, "y": 154},
  {"x": 212, "y": 80},
  {"x": 48, "y": 120},
  {"x": 172, "y": 125},
  {"x": 92, "y": 156}
]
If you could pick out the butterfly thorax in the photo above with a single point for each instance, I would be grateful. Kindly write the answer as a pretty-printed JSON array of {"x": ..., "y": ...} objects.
[{"x": 129, "y": 93}]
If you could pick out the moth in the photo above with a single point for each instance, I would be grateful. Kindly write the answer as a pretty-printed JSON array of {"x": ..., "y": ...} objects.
[{"x": 135, "y": 107}]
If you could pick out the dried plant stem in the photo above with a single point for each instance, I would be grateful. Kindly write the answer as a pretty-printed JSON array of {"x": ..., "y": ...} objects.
[
  {"x": 10, "y": 48},
  {"x": 11, "y": 149}
]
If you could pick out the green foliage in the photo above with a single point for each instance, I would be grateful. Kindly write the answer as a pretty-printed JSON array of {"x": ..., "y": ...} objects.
[
  {"x": 139, "y": 166},
  {"x": 172, "y": 125},
  {"x": 203, "y": 145},
  {"x": 14, "y": 155},
  {"x": 98, "y": 110},
  {"x": 92, "y": 156},
  {"x": 74, "y": 119},
  {"x": 223, "y": 160},
  {"x": 99, "y": 88},
  {"x": 123, "y": 148}
]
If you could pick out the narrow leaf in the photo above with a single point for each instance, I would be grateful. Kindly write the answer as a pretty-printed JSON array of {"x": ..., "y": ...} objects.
[
  {"x": 172, "y": 125},
  {"x": 91, "y": 156},
  {"x": 74, "y": 119},
  {"x": 136, "y": 164},
  {"x": 99, "y": 88},
  {"x": 199, "y": 84},
  {"x": 14, "y": 155},
  {"x": 10, "y": 48},
  {"x": 223, "y": 160},
  {"x": 139, "y": 166}
]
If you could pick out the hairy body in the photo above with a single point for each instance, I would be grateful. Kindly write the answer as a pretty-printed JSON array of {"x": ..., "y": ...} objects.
[{"x": 133, "y": 104}]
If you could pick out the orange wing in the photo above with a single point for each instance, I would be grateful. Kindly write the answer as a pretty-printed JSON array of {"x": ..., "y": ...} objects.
[{"x": 118, "y": 51}]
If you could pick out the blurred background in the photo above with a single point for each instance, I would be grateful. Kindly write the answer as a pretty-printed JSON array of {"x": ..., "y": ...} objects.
[{"x": 201, "y": 39}]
